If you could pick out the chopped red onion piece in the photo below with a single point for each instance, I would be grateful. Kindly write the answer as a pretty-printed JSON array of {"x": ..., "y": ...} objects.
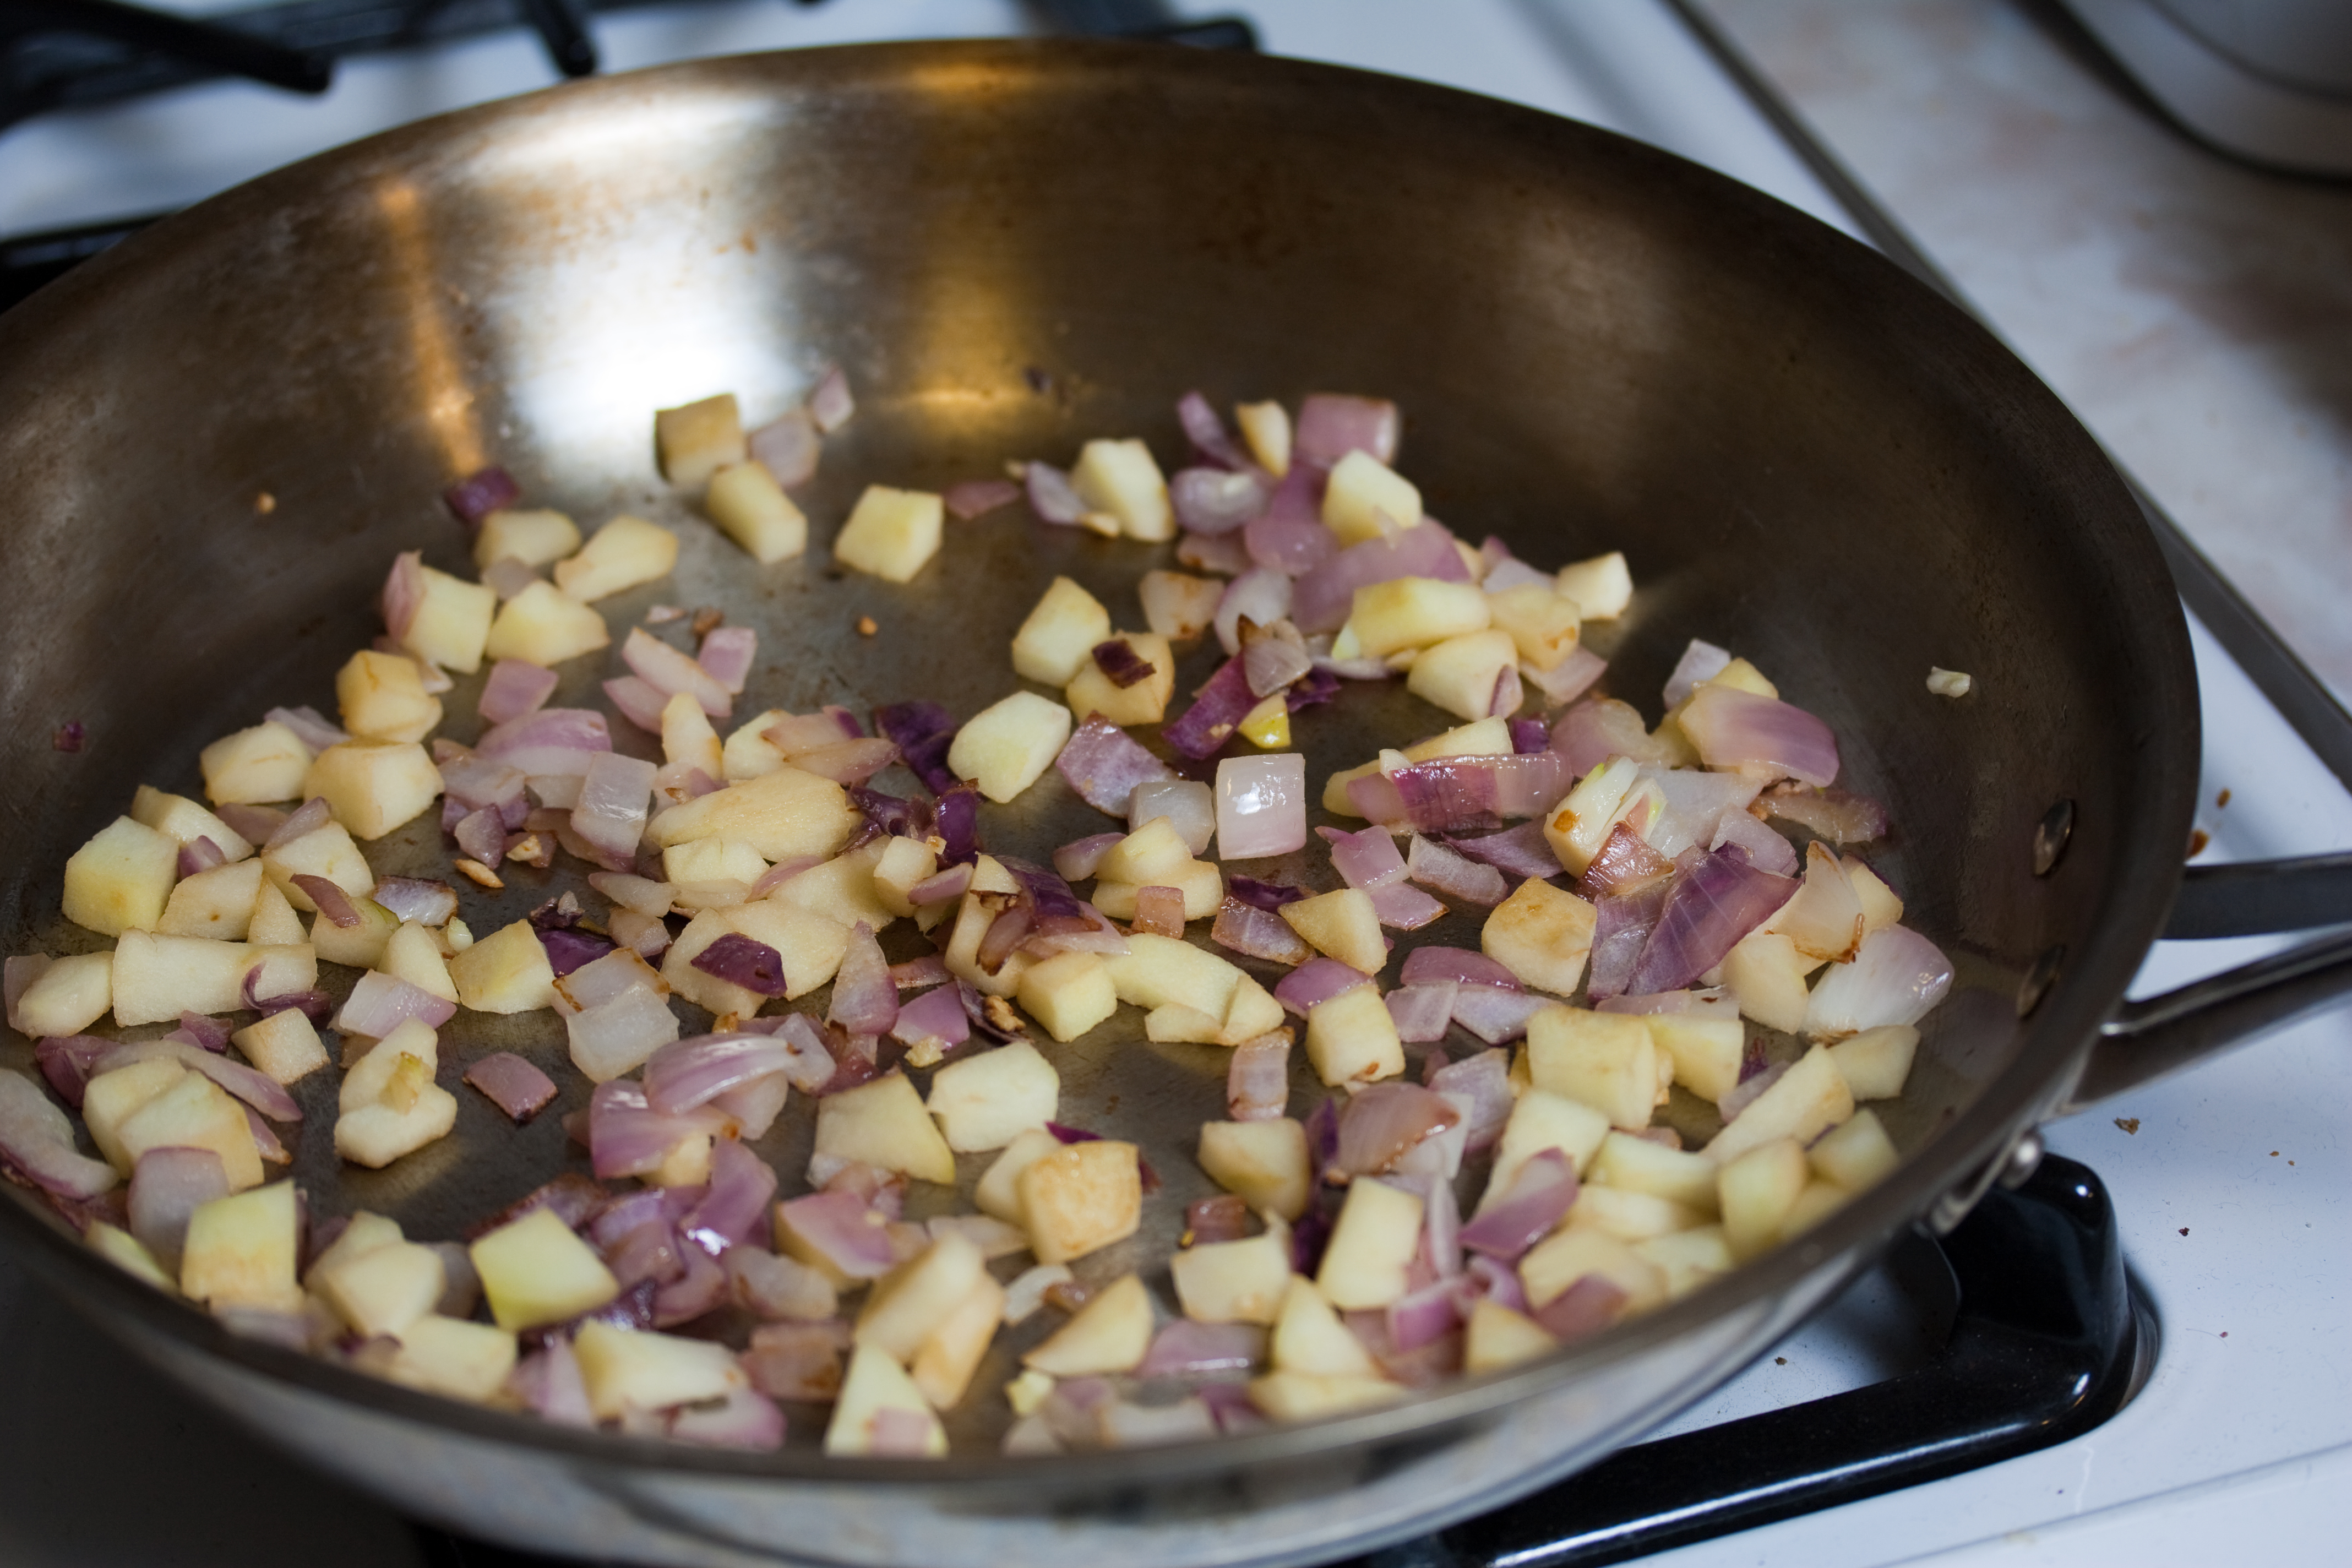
[
  {"x": 552, "y": 740},
  {"x": 865, "y": 1000},
  {"x": 1330, "y": 425},
  {"x": 1323, "y": 597},
  {"x": 1751, "y": 1088},
  {"x": 1004, "y": 933},
  {"x": 1484, "y": 1082},
  {"x": 797, "y": 1361},
  {"x": 1104, "y": 763},
  {"x": 404, "y": 591},
  {"x": 1224, "y": 1217},
  {"x": 1227, "y": 553},
  {"x": 936, "y": 1015},
  {"x": 693, "y": 1072},
  {"x": 734, "y": 1206},
  {"x": 381, "y": 1003},
  {"x": 796, "y": 733},
  {"x": 471, "y": 779},
  {"x": 743, "y": 1419},
  {"x": 480, "y": 493},
  {"x": 65, "y": 1061},
  {"x": 314, "y": 1004},
  {"x": 1423, "y": 1013},
  {"x": 1509, "y": 692},
  {"x": 1521, "y": 851},
  {"x": 1594, "y": 731},
  {"x": 1735, "y": 729},
  {"x": 1384, "y": 1121},
  {"x": 1496, "y": 1016},
  {"x": 1078, "y": 860},
  {"x": 507, "y": 577},
  {"x": 809, "y": 1064},
  {"x": 1262, "y": 895},
  {"x": 1700, "y": 662},
  {"x": 1159, "y": 911},
  {"x": 977, "y": 498},
  {"x": 209, "y": 1033},
  {"x": 1316, "y": 687},
  {"x": 1709, "y": 907},
  {"x": 411, "y": 899},
  {"x": 1625, "y": 863},
  {"x": 1833, "y": 813},
  {"x": 167, "y": 1185},
  {"x": 1366, "y": 858},
  {"x": 1446, "y": 792},
  {"x": 1423, "y": 1317},
  {"x": 1766, "y": 850},
  {"x": 922, "y": 732},
  {"x": 1512, "y": 573},
  {"x": 68, "y": 736},
  {"x": 896, "y": 1432},
  {"x": 1400, "y": 906},
  {"x": 615, "y": 793},
  {"x": 569, "y": 950},
  {"x": 830, "y": 406},
  {"x": 1216, "y": 712},
  {"x": 548, "y": 1382},
  {"x": 1207, "y": 432},
  {"x": 671, "y": 672},
  {"x": 848, "y": 761},
  {"x": 1620, "y": 928},
  {"x": 1271, "y": 662},
  {"x": 701, "y": 1285},
  {"x": 36, "y": 1140},
  {"x": 949, "y": 884},
  {"x": 332, "y": 901},
  {"x": 1483, "y": 1280},
  {"x": 786, "y": 447},
  {"x": 645, "y": 935},
  {"x": 1120, "y": 664},
  {"x": 1895, "y": 978},
  {"x": 1434, "y": 866},
  {"x": 1052, "y": 496},
  {"x": 1585, "y": 1308},
  {"x": 1257, "y": 1081},
  {"x": 1258, "y": 933},
  {"x": 1315, "y": 982},
  {"x": 726, "y": 654},
  {"x": 627, "y": 1138},
  {"x": 1212, "y": 501},
  {"x": 1187, "y": 1349},
  {"x": 308, "y": 817},
  {"x": 308, "y": 726},
  {"x": 512, "y": 1084},
  {"x": 482, "y": 835},
  {"x": 1293, "y": 546},
  {"x": 254, "y": 824},
  {"x": 1260, "y": 595},
  {"x": 927, "y": 969},
  {"x": 742, "y": 960},
  {"x": 842, "y": 1230},
  {"x": 1537, "y": 1200},
  {"x": 515, "y": 687},
  {"x": 1529, "y": 736}
]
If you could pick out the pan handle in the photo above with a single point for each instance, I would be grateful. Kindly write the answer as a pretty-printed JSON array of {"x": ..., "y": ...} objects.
[{"x": 2144, "y": 1040}]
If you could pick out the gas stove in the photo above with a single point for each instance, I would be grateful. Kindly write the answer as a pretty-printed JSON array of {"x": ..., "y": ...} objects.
[{"x": 2170, "y": 1390}]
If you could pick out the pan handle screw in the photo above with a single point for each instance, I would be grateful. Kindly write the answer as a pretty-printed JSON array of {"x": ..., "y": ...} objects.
[
  {"x": 2050, "y": 836},
  {"x": 2039, "y": 979}
]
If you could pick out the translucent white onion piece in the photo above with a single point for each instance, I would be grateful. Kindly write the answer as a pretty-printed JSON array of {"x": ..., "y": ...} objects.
[
  {"x": 1189, "y": 806},
  {"x": 515, "y": 687},
  {"x": 1701, "y": 662},
  {"x": 614, "y": 793},
  {"x": 514, "y": 1085},
  {"x": 167, "y": 1185},
  {"x": 786, "y": 447},
  {"x": 1758, "y": 735},
  {"x": 380, "y": 1003},
  {"x": 1257, "y": 1081},
  {"x": 726, "y": 654},
  {"x": 670, "y": 672},
  {"x": 1178, "y": 605},
  {"x": 1484, "y": 1082},
  {"x": 617, "y": 1036},
  {"x": 1896, "y": 977},
  {"x": 1261, "y": 594},
  {"x": 1261, "y": 805}
]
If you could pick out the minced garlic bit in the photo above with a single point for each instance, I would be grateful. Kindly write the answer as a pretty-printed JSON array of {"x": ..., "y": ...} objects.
[
  {"x": 479, "y": 874},
  {"x": 1948, "y": 682},
  {"x": 866, "y": 626}
]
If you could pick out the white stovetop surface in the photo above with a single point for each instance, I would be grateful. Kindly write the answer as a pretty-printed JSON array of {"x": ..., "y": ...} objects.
[{"x": 2241, "y": 1445}]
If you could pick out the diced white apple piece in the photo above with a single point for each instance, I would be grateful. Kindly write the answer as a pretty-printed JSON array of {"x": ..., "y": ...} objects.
[
  {"x": 122, "y": 880},
  {"x": 1810, "y": 1098},
  {"x": 984, "y": 1101},
  {"x": 877, "y": 1382},
  {"x": 907, "y": 1304},
  {"x": 1580, "y": 825},
  {"x": 1855, "y": 1156},
  {"x": 1068, "y": 995},
  {"x": 1767, "y": 975},
  {"x": 625, "y": 553},
  {"x": 255, "y": 766},
  {"x": 241, "y": 1249},
  {"x": 128, "y": 1253},
  {"x": 1608, "y": 1060},
  {"x": 1540, "y": 933},
  {"x": 451, "y": 622},
  {"x": 274, "y": 921},
  {"x": 194, "y": 1113},
  {"x": 1543, "y": 624},
  {"x": 1201, "y": 883},
  {"x": 1232, "y": 1281},
  {"x": 998, "y": 1192},
  {"x": 1415, "y": 612},
  {"x": 695, "y": 440},
  {"x": 1876, "y": 1062},
  {"x": 1688, "y": 1259},
  {"x": 506, "y": 972},
  {"x": 1310, "y": 1338},
  {"x": 1542, "y": 1120},
  {"x": 1824, "y": 920},
  {"x": 1154, "y": 854},
  {"x": 904, "y": 865},
  {"x": 389, "y": 1105},
  {"x": 359, "y": 945},
  {"x": 383, "y": 698},
  {"x": 748, "y": 753},
  {"x": 535, "y": 538},
  {"x": 1343, "y": 925},
  {"x": 412, "y": 954},
  {"x": 1756, "y": 1190},
  {"x": 810, "y": 946},
  {"x": 384, "y": 1289},
  {"x": 753, "y": 510},
  {"x": 942, "y": 1368},
  {"x": 1158, "y": 970},
  {"x": 1631, "y": 1215},
  {"x": 1308, "y": 1396},
  {"x": 1705, "y": 1052},
  {"x": 1059, "y": 637},
  {"x": 284, "y": 1044},
  {"x": 326, "y": 851},
  {"x": 841, "y": 889},
  {"x": 1106, "y": 1336},
  {"x": 454, "y": 1358},
  {"x": 183, "y": 821},
  {"x": 786, "y": 815},
  {"x": 1007, "y": 746},
  {"x": 1881, "y": 907},
  {"x": 1253, "y": 1012},
  {"x": 891, "y": 533},
  {"x": 537, "y": 1271},
  {"x": 1144, "y": 702},
  {"x": 70, "y": 995},
  {"x": 1488, "y": 737},
  {"x": 991, "y": 890},
  {"x": 1460, "y": 673},
  {"x": 216, "y": 902},
  {"x": 1371, "y": 1251},
  {"x": 712, "y": 861},
  {"x": 1353, "y": 1038},
  {"x": 365, "y": 1234},
  {"x": 1819, "y": 1200},
  {"x": 111, "y": 1098},
  {"x": 1637, "y": 1165},
  {"x": 1080, "y": 1198},
  {"x": 1265, "y": 427},
  {"x": 688, "y": 741},
  {"x": 1360, "y": 491},
  {"x": 883, "y": 1123},
  {"x": 153, "y": 979},
  {"x": 1264, "y": 1161},
  {"x": 1569, "y": 1255},
  {"x": 1602, "y": 586},
  {"x": 633, "y": 1369},
  {"x": 1335, "y": 789},
  {"x": 1497, "y": 1338},
  {"x": 544, "y": 626},
  {"x": 1121, "y": 478},
  {"x": 374, "y": 787}
]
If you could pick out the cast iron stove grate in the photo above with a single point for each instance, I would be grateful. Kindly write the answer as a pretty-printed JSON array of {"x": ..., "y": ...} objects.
[{"x": 2049, "y": 1339}]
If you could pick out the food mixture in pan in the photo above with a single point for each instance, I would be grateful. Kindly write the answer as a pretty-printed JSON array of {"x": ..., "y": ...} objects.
[{"x": 1467, "y": 1169}]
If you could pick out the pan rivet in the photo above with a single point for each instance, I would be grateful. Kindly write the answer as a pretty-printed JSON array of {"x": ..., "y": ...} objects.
[
  {"x": 2050, "y": 836},
  {"x": 2038, "y": 982},
  {"x": 2023, "y": 1158}
]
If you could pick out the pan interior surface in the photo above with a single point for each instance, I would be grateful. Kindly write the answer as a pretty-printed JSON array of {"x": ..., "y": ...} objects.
[{"x": 1011, "y": 249}]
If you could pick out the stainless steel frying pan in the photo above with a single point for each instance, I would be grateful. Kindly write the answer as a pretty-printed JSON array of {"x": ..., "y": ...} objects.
[{"x": 1013, "y": 247}]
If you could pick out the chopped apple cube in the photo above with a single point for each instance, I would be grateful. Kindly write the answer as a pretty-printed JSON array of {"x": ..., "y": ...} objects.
[
  {"x": 1608, "y": 1060},
  {"x": 1308, "y": 1396},
  {"x": 535, "y": 538},
  {"x": 810, "y": 946},
  {"x": 451, "y": 622},
  {"x": 374, "y": 787},
  {"x": 1580, "y": 825},
  {"x": 998, "y": 1192},
  {"x": 891, "y": 534},
  {"x": 544, "y": 626},
  {"x": 1497, "y": 1337},
  {"x": 241, "y": 1249},
  {"x": 122, "y": 880},
  {"x": 274, "y": 921},
  {"x": 943, "y": 1367},
  {"x": 634, "y": 1369},
  {"x": 1461, "y": 674},
  {"x": 325, "y": 851},
  {"x": 1601, "y": 587},
  {"x": 1154, "y": 856},
  {"x": 1688, "y": 1259},
  {"x": 384, "y": 1290},
  {"x": 1344, "y": 925},
  {"x": 1767, "y": 975},
  {"x": 1353, "y": 1038},
  {"x": 695, "y": 440},
  {"x": 1568, "y": 1256},
  {"x": 1810, "y": 1098},
  {"x": 410, "y": 953},
  {"x": 1540, "y": 933},
  {"x": 1415, "y": 612},
  {"x": 904, "y": 865},
  {"x": 1631, "y": 1215},
  {"x": 748, "y": 753},
  {"x": 1069, "y": 994},
  {"x": 362, "y": 945},
  {"x": 1637, "y": 1165},
  {"x": 1265, "y": 1162},
  {"x": 254, "y": 766},
  {"x": 1092, "y": 691},
  {"x": 753, "y": 510},
  {"x": 1542, "y": 622},
  {"x": 1757, "y": 1189},
  {"x": 1855, "y": 1156},
  {"x": 986, "y": 1100},
  {"x": 1232, "y": 1281},
  {"x": 389, "y": 1105},
  {"x": 1880, "y": 906},
  {"x": 1362, "y": 490},
  {"x": 712, "y": 861},
  {"x": 215, "y": 903},
  {"x": 1542, "y": 1120},
  {"x": 506, "y": 972},
  {"x": 883, "y": 1123},
  {"x": 1007, "y": 746},
  {"x": 183, "y": 821},
  {"x": 128, "y": 1253},
  {"x": 784, "y": 814},
  {"x": 841, "y": 889},
  {"x": 1121, "y": 478},
  {"x": 687, "y": 739},
  {"x": 284, "y": 1044},
  {"x": 537, "y": 1271},
  {"x": 913, "y": 1298},
  {"x": 194, "y": 1113},
  {"x": 1265, "y": 427},
  {"x": 876, "y": 1383},
  {"x": 626, "y": 553},
  {"x": 1706, "y": 1052},
  {"x": 1080, "y": 1198},
  {"x": 1158, "y": 970},
  {"x": 383, "y": 698},
  {"x": 1310, "y": 1338},
  {"x": 153, "y": 978},
  {"x": 1059, "y": 637},
  {"x": 1199, "y": 882},
  {"x": 454, "y": 1358},
  {"x": 1876, "y": 1062},
  {"x": 1371, "y": 1252},
  {"x": 111, "y": 1098},
  {"x": 70, "y": 995},
  {"x": 1819, "y": 1200},
  {"x": 1106, "y": 1336}
]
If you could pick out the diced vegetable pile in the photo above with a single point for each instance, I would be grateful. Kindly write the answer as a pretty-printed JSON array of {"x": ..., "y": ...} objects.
[{"x": 1639, "y": 897}]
